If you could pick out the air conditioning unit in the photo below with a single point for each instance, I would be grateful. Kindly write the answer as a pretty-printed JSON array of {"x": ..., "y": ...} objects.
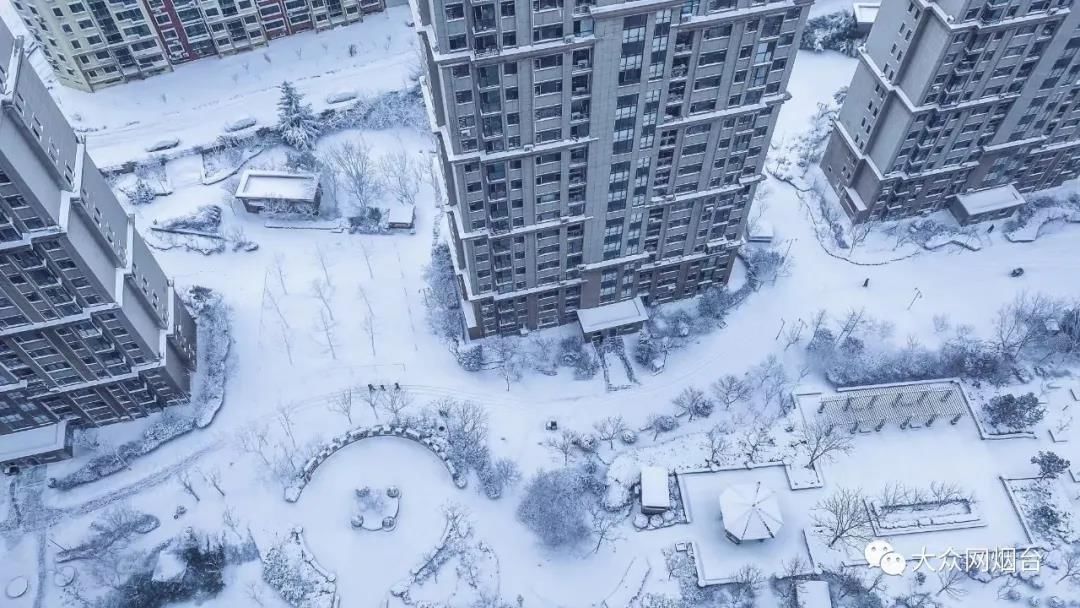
[
  {"x": 568, "y": 38},
  {"x": 527, "y": 147}
]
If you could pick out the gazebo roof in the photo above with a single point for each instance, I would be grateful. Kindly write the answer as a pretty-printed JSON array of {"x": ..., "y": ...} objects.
[{"x": 750, "y": 512}]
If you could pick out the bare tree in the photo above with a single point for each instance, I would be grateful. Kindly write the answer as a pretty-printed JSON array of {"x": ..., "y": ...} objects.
[
  {"x": 661, "y": 423},
  {"x": 396, "y": 402},
  {"x": 842, "y": 517},
  {"x": 604, "y": 525},
  {"x": 359, "y": 176},
  {"x": 730, "y": 390},
  {"x": 326, "y": 326},
  {"x": 253, "y": 440},
  {"x": 854, "y": 320},
  {"x": 563, "y": 444},
  {"x": 1019, "y": 323},
  {"x": 1070, "y": 565},
  {"x": 691, "y": 402},
  {"x": 322, "y": 290},
  {"x": 213, "y": 477},
  {"x": 324, "y": 263},
  {"x": 508, "y": 356},
  {"x": 373, "y": 399},
  {"x": 401, "y": 175},
  {"x": 607, "y": 429},
  {"x": 754, "y": 440},
  {"x": 279, "y": 271},
  {"x": 951, "y": 583},
  {"x": 792, "y": 335},
  {"x": 254, "y": 593},
  {"x": 823, "y": 442},
  {"x": 717, "y": 444},
  {"x": 368, "y": 321},
  {"x": 229, "y": 518},
  {"x": 342, "y": 403},
  {"x": 185, "y": 482}
]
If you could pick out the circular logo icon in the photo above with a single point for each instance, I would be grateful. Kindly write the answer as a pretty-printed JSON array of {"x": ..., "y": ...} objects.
[
  {"x": 875, "y": 550},
  {"x": 893, "y": 564}
]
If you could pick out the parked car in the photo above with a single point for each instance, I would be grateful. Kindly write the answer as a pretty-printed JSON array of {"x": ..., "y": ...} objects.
[
  {"x": 163, "y": 144},
  {"x": 1017, "y": 272}
]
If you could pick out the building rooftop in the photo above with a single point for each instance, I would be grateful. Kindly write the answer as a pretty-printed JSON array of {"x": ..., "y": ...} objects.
[
  {"x": 654, "y": 488},
  {"x": 609, "y": 316},
  {"x": 279, "y": 185},
  {"x": 866, "y": 12},
  {"x": 32, "y": 442},
  {"x": 991, "y": 199}
]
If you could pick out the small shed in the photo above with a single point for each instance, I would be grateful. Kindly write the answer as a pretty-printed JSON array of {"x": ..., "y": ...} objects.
[
  {"x": 279, "y": 191},
  {"x": 613, "y": 319},
  {"x": 984, "y": 205},
  {"x": 40, "y": 445},
  {"x": 760, "y": 232},
  {"x": 655, "y": 497},
  {"x": 401, "y": 217},
  {"x": 865, "y": 15}
]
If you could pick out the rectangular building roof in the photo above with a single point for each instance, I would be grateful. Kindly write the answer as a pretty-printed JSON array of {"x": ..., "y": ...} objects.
[
  {"x": 32, "y": 442},
  {"x": 608, "y": 316},
  {"x": 278, "y": 185},
  {"x": 654, "y": 488},
  {"x": 991, "y": 199}
]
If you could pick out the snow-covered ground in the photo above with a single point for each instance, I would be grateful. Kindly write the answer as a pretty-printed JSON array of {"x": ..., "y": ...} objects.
[
  {"x": 318, "y": 312},
  {"x": 195, "y": 102}
]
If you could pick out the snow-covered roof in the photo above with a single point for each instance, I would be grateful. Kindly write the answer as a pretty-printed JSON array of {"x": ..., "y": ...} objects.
[
  {"x": 31, "y": 442},
  {"x": 812, "y": 594},
  {"x": 866, "y": 12},
  {"x": 278, "y": 185},
  {"x": 750, "y": 511},
  {"x": 401, "y": 214},
  {"x": 760, "y": 232},
  {"x": 654, "y": 488},
  {"x": 608, "y": 316},
  {"x": 991, "y": 199}
]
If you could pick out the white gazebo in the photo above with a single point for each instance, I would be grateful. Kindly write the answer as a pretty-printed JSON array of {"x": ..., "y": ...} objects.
[{"x": 750, "y": 512}]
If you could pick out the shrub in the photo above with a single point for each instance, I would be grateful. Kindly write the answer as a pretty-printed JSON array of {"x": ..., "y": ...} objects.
[{"x": 1012, "y": 412}]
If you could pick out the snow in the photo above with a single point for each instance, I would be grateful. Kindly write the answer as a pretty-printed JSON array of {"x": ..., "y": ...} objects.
[
  {"x": 30, "y": 442},
  {"x": 119, "y": 122},
  {"x": 813, "y": 594},
  {"x": 285, "y": 364},
  {"x": 991, "y": 199},
  {"x": 609, "y": 316},
  {"x": 278, "y": 185},
  {"x": 654, "y": 489}
]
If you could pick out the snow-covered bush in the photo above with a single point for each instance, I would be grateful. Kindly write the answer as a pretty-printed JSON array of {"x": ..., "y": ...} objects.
[
  {"x": 443, "y": 305},
  {"x": 650, "y": 352},
  {"x": 833, "y": 32},
  {"x": 575, "y": 353},
  {"x": 1050, "y": 464},
  {"x": 497, "y": 475},
  {"x": 1015, "y": 413},
  {"x": 174, "y": 422},
  {"x": 189, "y": 569},
  {"x": 662, "y": 423},
  {"x": 471, "y": 359},
  {"x": 716, "y": 302},
  {"x": 555, "y": 505}
]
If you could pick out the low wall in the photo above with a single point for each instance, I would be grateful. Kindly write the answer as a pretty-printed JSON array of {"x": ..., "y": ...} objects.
[{"x": 429, "y": 441}]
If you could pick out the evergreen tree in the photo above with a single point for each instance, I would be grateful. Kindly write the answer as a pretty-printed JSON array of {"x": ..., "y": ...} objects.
[{"x": 296, "y": 122}]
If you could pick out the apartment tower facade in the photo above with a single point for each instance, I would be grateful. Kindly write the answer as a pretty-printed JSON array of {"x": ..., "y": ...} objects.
[
  {"x": 91, "y": 331},
  {"x": 596, "y": 152},
  {"x": 954, "y": 100},
  {"x": 96, "y": 43}
]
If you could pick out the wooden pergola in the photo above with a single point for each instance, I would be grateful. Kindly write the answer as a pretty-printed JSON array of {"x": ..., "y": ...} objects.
[{"x": 911, "y": 406}]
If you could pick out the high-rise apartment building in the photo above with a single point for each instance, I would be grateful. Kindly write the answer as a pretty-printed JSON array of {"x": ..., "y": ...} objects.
[
  {"x": 599, "y": 153},
  {"x": 960, "y": 104},
  {"x": 96, "y": 43},
  {"x": 91, "y": 331}
]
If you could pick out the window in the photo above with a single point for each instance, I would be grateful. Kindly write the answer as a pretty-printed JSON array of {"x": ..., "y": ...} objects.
[
  {"x": 547, "y": 32},
  {"x": 547, "y": 61},
  {"x": 507, "y": 9},
  {"x": 463, "y": 96},
  {"x": 458, "y": 42},
  {"x": 546, "y": 112},
  {"x": 712, "y": 58},
  {"x": 454, "y": 12},
  {"x": 547, "y": 86}
]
